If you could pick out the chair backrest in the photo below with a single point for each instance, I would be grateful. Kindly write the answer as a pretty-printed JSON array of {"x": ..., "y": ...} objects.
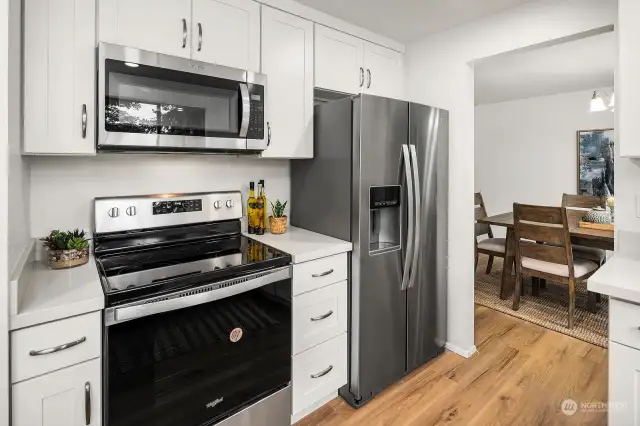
[
  {"x": 582, "y": 201},
  {"x": 481, "y": 213},
  {"x": 535, "y": 225}
]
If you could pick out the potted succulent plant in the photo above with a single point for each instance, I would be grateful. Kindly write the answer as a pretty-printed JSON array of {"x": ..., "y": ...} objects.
[
  {"x": 278, "y": 222},
  {"x": 66, "y": 249}
]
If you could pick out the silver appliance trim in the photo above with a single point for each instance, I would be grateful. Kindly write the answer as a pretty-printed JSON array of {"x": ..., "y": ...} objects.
[
  {"x": 418, "y": 215},
  {"x": 406, "y": 271},
  {"x": 138, "y": 278},
  {"x": 131, "y": 141},
  {"x": 117, "y": 214},
  {"x": 194, "y": 296},
  {"x": 273, "y": 410},
  {"x": 246, "y": 109}
]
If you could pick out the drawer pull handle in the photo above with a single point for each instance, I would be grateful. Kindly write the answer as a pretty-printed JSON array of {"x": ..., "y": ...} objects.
[
  {"x": 58, "y": 348},
  {"x": 322, "y": 373},
  {"x": 87, "y": 403},
  {"x": 324, "y": 274},
  {"x": 321, "y": 317}
]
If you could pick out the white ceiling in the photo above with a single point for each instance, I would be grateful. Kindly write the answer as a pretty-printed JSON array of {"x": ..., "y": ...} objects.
[
  {"x": 409, "y": 20},
  {"x": 577, "y": 65}
]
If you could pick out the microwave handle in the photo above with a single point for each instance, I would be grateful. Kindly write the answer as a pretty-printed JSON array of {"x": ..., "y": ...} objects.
[{"x": 246, "y": 109}]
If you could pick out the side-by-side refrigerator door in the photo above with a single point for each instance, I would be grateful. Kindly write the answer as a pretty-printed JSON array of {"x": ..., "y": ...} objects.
[
  {"x": 379, "y": 225},
  {"x": 427, "y": 292}
]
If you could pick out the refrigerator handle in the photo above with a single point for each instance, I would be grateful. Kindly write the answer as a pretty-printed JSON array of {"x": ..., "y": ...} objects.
[
  {"x": 418, "y": 210},
  {"x": 410, "y": 226}
]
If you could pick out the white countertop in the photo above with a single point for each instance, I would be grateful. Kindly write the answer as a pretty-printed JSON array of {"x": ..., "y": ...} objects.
[
  {"x": 303, "y": 245},
  {"x": 50, "y": 295},
  {"x": 618, "y": 278}
]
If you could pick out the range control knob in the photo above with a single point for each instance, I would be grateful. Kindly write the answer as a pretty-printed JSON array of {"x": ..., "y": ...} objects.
[
  {"x": 217, "y": 204},
  {"x": 229, "y": 204},
  {"x": 132, "y": 211},
  {"x": 114, "y": 212}
]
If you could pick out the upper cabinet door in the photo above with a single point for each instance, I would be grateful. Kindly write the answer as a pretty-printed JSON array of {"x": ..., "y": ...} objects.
[
  {"x": 162, "y": 26},
  {"x": 338, "y": 60},
  {"x": 384, "y": 71},
  {"x": 59, "y": 77},
  {"x": 287, "y": 60},
  {"x": 227, "y": 32}
]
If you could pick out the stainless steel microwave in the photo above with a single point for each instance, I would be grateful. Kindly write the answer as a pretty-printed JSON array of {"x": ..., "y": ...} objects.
[{"x": 153, "y": 102}]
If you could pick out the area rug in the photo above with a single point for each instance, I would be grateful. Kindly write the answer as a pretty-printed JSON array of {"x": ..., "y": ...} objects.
[{"x": 549, "y": 310}]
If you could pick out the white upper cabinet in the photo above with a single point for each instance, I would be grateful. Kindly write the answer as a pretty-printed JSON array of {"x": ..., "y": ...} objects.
[
  {"x": 227, "y": 32},
  {"x": 162, "y": 26},
  {"x": 59, "y": 77},
  {"x": 339, "y": 60},
  {"x": 384, "y": 69},
  {"x": 287, "y": 60}
]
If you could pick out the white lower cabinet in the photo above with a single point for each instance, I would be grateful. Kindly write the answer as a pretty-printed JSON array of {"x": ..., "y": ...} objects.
[
  {"x": 624, "y": 385},
  {"x": 67, "y": 397}
]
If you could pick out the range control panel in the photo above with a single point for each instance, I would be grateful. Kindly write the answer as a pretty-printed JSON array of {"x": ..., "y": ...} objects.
[{"x": 121, "y": 214}]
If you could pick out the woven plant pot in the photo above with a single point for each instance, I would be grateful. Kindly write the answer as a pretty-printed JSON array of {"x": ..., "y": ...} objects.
[
  {"x": 64, "y": 259},
  {"x": 278, "y": 225}
]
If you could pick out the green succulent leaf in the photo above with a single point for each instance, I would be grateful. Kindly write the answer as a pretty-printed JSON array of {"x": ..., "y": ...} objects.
[
  {"x": 278, "y": 208},
  {"x": 70, "y": 240}
]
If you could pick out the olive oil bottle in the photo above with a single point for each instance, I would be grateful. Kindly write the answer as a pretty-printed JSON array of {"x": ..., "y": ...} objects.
[
  {"x": 260, "y": 210},
  {"x": 264, "y": 201},
  {"x": 251, "y": 210}
]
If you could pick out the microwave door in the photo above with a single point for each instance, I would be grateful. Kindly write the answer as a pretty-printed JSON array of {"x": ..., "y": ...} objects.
[{"x": 160, "y": 103}]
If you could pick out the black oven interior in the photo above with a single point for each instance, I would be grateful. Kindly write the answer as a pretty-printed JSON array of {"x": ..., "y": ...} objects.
[{"x": 198, "y": 365}]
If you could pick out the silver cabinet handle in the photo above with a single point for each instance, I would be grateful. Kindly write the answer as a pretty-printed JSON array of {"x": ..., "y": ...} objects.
[
  {"x": 58, "y": 348},
  {"x": 361, "y": 76},
  {"x": 369, "y": 78},
  {"x": 268, "y": 134},
  {"x": 84, "y": 121},
  {"x": 184, "y": 33},
  {"x": 322, "y": 373},
  {"x": 87, "y": 403},
  {"x": 323, "y": 274},
  {"x": 321, "y": 317},
  {"x": 199, "y": 36}
]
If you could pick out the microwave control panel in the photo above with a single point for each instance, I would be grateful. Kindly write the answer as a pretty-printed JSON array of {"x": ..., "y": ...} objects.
[{"x": 256, "y": 119}]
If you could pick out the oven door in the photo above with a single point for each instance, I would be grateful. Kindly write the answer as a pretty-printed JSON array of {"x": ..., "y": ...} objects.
[
  {"x": 154, "y": 102},
  {"x": 169, "y": 362}
]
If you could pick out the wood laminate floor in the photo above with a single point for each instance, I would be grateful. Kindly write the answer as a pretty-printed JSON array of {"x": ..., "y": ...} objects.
[{"x": 520, "y": 375}]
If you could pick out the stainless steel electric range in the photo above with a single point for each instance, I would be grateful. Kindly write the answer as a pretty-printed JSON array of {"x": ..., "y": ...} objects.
[{"x": 198, "y": 317}]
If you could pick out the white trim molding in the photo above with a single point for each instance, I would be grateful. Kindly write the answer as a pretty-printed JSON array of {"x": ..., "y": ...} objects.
[{"x": 465, "y": 353}]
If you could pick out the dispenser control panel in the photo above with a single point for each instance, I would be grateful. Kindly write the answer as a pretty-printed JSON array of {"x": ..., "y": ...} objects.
[{"x": 385, "y": 196}]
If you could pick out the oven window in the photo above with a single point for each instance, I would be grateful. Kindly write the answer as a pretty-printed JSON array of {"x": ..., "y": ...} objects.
[
  {"x": 150, "y": 100},
  {"x": 199, "y": 364}
]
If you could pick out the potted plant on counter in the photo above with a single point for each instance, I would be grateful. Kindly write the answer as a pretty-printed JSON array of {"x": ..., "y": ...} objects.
[
  {"x": 66, "y": 249},
  {"x": 278, "y": 222}
]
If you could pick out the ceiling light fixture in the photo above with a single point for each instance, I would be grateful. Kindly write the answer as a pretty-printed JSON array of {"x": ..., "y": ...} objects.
[{"x": 598, "y": 102}]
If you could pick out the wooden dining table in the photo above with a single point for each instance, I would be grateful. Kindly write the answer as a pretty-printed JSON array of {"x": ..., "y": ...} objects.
[{"x": 588, "y": 237}]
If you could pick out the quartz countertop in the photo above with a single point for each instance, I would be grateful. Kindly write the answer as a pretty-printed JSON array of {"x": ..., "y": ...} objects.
[
  {"x": 49, "y": 295},
  {"x": 303, "y": 245},
  {"x": 618, "y": 278}
]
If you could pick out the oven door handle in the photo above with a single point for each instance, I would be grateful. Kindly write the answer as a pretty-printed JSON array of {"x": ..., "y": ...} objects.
[
  {"x": 194, "y": 296},
  {"x": 245, "y": 103}
]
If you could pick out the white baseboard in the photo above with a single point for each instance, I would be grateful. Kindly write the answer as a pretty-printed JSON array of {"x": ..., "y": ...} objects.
[
  {"x": 466, "y": 353},
  {"x": 313, "y": 407}
]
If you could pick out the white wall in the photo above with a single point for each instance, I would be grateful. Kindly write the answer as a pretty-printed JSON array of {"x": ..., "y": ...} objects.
[
  {"x": 63, "y": 189},
  {"x": 439, "y": 73},
  {"x": 526, "y": 150}
]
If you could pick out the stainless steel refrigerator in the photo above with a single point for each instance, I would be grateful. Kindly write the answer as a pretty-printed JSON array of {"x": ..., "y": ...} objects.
[{"x": 379, "y": 178}]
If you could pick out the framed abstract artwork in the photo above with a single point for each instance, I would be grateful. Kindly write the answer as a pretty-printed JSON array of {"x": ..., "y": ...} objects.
[{"x": 595, "y": 162}]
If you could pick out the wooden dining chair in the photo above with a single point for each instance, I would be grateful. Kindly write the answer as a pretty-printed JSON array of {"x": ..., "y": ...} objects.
[
  {"x": 575, "y": 204},
  {"x": 492, "y": 247},
  {"x": 553, "y": 260}
]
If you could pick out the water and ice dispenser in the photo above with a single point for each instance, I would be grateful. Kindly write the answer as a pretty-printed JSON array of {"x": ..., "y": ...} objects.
[{"x": 385, "y": 207}]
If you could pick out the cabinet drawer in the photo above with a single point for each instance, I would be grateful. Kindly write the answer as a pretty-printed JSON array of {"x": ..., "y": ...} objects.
[
  {"x": 319, "y": 315},
  {"x": 319, "y": 273},
  {"x": 48, "y": 347},
  {"x": 319, "y": 371},
  {"x": 624, "y": 323}
]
